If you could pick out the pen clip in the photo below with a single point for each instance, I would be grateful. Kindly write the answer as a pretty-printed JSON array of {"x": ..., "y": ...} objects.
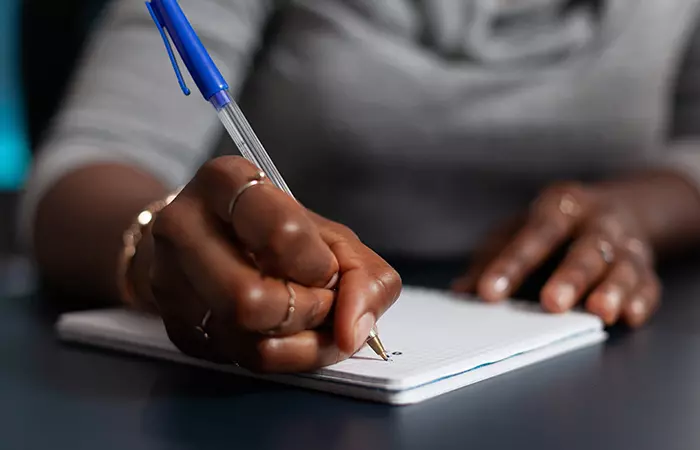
[{"x": 168, "y": 47}]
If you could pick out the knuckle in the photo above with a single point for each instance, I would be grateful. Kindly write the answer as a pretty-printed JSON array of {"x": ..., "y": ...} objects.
[
  {"x": 246, "y": 299},
  {"x": 531, "y": 242},
  {"x": 290, "y": 235},
  {"x": 392, "y": 280},
  {"x": 267, "y": 355},
  {"x": 334, "y": 230},
  {"x": 625, "y": 274},
  {"x": 586, "y": 257},
  {"x": 345, "y": 231},
  {"x": 552, "y": 198},
  {"x": 222, "y": 166},
  {"x": 169, "y": 224},
  {"x": 504, "y": 266},
  {"x": 390, "y": 283}
]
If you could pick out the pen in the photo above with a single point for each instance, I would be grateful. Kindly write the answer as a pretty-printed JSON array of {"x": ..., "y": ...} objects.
[{"x": 168, "y": 15}]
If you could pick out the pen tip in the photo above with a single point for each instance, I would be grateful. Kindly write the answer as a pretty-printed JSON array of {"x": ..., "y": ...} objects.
[{"x": 376, "y": 345}]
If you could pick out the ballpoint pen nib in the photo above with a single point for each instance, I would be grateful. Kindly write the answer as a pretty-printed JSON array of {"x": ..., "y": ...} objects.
[{"x": 376, "y": 345}]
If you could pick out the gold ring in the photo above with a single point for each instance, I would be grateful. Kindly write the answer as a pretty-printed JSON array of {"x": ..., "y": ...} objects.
[
  {"x": 291, "y": 307},
  {"x": 260, "y": 179},
  {"x": 202, "y": 327}
]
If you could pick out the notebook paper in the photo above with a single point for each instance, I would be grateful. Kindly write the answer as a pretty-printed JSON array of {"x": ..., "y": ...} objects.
[{"x": 438, "y": 342}]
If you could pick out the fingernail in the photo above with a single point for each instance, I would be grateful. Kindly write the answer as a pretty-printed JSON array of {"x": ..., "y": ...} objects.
[
  {"x": 612, "y": 299},
  {"x": 565, "y": 296},
  {"x": 637, "y": 308},
  {"x": 500, "y": 284},
  {"x": 362, "y": 329},
  {"x": 332, "y": 281}
]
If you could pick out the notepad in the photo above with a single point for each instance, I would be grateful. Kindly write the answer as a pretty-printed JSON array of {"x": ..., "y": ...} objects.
[{"x": 438, "y": 341}]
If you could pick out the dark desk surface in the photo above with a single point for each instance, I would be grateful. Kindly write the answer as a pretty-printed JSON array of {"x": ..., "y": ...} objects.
[
  {"x": 639, "y": 391},
  {"x": 8, "y": 206}
]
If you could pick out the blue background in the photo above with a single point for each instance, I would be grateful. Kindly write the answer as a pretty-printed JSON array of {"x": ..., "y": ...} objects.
[{"x": 14, "y": 145}]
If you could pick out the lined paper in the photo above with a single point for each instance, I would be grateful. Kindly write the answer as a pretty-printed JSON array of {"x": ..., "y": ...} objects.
[{"x": 440, "y": 334}]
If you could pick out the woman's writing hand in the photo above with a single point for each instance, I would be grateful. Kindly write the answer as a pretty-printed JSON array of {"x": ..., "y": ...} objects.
[
  {"x": 240, "y": 272},
  {"x": 608, "y": 266}
]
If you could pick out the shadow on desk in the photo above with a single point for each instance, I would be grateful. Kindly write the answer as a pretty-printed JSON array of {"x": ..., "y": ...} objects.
[{"x": 193, "y": 408}]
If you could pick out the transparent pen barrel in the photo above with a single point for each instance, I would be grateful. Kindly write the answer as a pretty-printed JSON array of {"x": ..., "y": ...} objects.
[{"x": 248, "y": 143}]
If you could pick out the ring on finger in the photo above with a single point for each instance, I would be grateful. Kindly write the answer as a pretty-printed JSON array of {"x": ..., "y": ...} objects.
[
  {"x": 291, "y": 307},
  {"x": 202, "y": 327},
  {"x": 259, "y": 179},
  {"x": 606, "y": 251}
]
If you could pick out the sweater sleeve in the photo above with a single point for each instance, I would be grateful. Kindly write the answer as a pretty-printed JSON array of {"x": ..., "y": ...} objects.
[
  {"x": 683, "y": 152},
  {"x": 124, "y": 104}
]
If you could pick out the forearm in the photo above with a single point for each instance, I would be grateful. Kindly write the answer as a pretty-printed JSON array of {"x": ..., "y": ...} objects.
[
  {"x": 79, "y": 225},
  {"x": 666, "y": 205}
]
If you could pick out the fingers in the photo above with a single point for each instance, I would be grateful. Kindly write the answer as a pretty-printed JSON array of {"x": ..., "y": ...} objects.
[
  {"x": 268, "y": 222},
  {"x": 609, "y": 264},
  {"x": 179, "y": 306},
  {"x": 221, "y": 254},
  {"x": 631, "y": 292},
  {"x": 582, "y": 268},
  {"x": 225, "y": 279},
  {"x": 610, "y": 297},
  {"x": 492, "y": 247},
  {"x": 644, "y": 301},
  {"x": 368, "y": 287},
  {"x": 303, "y": 352},
  {"x": 627, "y": 289},
  {"x": 183, "y": 311},
  {"x": 554, "y": 217}
]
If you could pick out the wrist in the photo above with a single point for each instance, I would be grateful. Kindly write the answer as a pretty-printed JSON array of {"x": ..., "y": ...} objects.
[
  {"x": 137, "y": 276},
  {"x": 136, "y": 254}
]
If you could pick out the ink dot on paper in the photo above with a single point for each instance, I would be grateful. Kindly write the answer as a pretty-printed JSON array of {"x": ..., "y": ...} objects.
[{"x": 396, "y": 353}]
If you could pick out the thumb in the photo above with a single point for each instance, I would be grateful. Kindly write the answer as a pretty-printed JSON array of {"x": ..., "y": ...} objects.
[{"x": 362, "y": 300}]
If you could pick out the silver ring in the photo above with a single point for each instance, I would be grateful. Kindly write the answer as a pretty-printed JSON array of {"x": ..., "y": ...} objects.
[
  {"x": 259, "y": 180},
  {"x": 202, "y": 327},
  {"x": 333, "y": 281},
  {"x": 291, "y": 307},
  {"x": 606, "y": 251}
]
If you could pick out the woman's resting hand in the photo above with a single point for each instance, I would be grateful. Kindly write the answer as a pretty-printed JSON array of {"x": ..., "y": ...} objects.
[{"x": 608, "y": 266}]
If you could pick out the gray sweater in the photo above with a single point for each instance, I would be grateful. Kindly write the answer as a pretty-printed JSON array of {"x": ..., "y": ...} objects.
[{"x": 418, "y": 123}]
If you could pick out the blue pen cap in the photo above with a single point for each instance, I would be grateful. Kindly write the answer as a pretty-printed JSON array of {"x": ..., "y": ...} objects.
[{"x": 169, "y": 17}]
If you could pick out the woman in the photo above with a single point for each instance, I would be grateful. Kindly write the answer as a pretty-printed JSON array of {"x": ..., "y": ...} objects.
[{"x": 421, "y": 125}]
